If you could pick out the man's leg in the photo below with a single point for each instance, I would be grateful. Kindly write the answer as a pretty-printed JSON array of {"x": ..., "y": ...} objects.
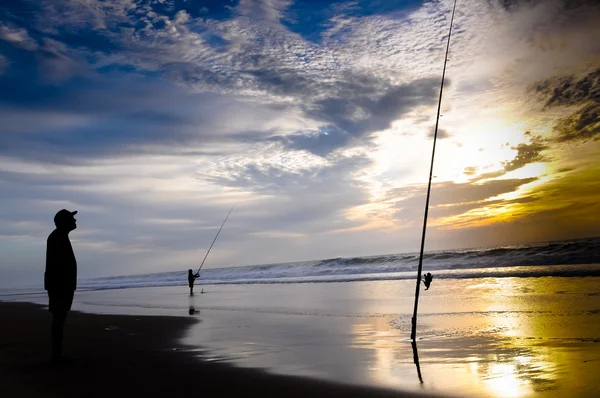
[{"x": 58, "y": 322}]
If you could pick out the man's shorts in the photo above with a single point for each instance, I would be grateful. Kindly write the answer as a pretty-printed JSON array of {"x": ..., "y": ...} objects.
[{"x": 60, "y": 301}]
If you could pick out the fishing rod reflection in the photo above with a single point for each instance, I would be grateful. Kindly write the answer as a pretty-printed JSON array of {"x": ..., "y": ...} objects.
[{"x": 416, "y": 360}]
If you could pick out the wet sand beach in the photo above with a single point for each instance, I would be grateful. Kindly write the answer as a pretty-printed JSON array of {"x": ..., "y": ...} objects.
[
  {"x": 483, "y": 337},
  {"x": 116, "y": 356}
]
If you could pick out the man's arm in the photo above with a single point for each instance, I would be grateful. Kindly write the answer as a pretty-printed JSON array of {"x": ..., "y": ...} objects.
[
  {"x": 54, "y": 275},
  {"x": 50, "y": 273}
]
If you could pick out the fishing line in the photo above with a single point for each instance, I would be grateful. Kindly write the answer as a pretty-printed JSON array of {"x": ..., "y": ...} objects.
[{"x": 215, "y": 239}]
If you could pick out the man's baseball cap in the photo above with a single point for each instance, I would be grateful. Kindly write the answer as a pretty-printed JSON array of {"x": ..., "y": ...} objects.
[{"x": 63, "y": 215}]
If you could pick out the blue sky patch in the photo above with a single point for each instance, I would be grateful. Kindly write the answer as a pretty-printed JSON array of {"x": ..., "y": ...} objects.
[
  {"x": 213, "y": 9},
  {"x": 310, "y": 18}
]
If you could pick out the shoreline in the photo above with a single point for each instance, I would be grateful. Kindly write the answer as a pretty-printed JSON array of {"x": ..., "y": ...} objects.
[{"x": 120, "y": 355}]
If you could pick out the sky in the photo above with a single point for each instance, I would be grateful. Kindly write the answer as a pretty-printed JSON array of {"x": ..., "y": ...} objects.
[{"x": 152, "y": 118}]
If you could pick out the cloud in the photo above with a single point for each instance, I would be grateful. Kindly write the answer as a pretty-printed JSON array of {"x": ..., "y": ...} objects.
[
  {"x": 569, "y": 91},
  {"x": 583, "y": 124},
  {"x": 88, "y": 14},
  {"x": 526, "y": 154},
  {"x": 110, "y": 205},
  {"x": 321, "y": 142},
  {"x": 112, "y": 116},
  {"x": 450, "y": 193},
  {"x": 449, "y": 199},
  {"x": 489, "y": 175},
  {"x": 338, "y": 105},
  {"x": 318, "y": 195},
  {"x": 563, "y": 216},
  {"x": 145, "y": 209},
  {"x": 262, "y": 10},
  {"x": 54, "y": 63},
  {"x": 442, "y": 134},
  {"x": 358, "y": 113},
  {"x": 18, "y": 37},
  {"x": 471, "y": 170}
]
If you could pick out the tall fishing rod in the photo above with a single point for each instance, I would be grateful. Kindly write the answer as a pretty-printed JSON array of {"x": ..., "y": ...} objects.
[
  {"x": 215, "y": 239},
  {"x": 413, "y": 333}
]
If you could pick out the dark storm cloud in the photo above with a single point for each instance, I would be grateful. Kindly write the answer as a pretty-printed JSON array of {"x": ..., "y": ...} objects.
[
  {"x": 564, "y": 5},
  {"x": 569, "y": 90},
  {"x": 583, "y": 124}
]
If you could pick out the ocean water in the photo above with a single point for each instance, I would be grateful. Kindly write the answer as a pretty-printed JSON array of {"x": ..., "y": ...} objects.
[{"x": 570, "y": 258}]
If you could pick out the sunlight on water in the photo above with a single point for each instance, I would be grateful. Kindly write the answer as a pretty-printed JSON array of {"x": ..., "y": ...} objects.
[
  {"x": 502, "y": 381},
  {"x": 520, "y": 345}
]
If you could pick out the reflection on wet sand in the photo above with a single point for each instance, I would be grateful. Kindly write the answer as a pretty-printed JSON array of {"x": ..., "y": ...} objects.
[
  {"x": 416, "y": 359},
  {"x": 517, "y": 348},
  {"x": 502, "y": 367}
]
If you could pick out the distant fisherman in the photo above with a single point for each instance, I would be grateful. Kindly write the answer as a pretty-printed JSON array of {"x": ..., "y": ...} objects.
[
  {"x": 427, "y": 280},
  {"x": 191, "y": 279}
]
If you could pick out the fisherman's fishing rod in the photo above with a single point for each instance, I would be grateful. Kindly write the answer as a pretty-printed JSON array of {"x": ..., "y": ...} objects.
[
  {"x": 215, "y": 239},
  {"x": 413, "y": 333}
]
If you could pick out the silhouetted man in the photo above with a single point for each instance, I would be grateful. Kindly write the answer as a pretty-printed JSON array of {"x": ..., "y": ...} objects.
[
  {"x": 427, "y": 280},
  {"x": 60, "y": 278},
  {"x": 191, "y": 279}
]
